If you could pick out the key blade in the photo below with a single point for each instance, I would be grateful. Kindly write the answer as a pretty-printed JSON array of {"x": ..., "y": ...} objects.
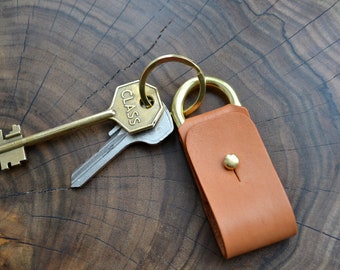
[
  {"x": 157, "y": 134},
  {"x": 87, "y": 170},
  {"x": 118, "y": 143},
  {"x": 114, "y": 131}
]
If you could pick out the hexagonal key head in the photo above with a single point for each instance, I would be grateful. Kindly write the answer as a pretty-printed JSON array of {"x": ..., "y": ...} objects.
[{"x": 129, "y": 110}]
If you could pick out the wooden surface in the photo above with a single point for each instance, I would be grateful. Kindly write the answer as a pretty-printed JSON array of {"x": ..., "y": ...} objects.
[{"x": 62, "y": 60}]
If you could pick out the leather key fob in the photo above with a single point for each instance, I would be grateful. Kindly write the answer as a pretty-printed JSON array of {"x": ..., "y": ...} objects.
[{"x": 241, "y": 192}]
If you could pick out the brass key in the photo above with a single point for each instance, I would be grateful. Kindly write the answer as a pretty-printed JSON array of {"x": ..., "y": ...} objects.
[{"x": 126, "y": 109}]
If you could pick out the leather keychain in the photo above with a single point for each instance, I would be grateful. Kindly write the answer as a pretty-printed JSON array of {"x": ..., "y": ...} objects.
[{"x": 241, "y": 192}]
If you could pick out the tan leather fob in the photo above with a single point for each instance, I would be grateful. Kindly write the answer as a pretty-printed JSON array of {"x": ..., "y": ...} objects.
[{"x": 247, "y": 206}]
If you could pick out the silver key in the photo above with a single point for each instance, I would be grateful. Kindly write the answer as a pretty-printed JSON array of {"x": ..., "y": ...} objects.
[{"x": 120, "y": 139}]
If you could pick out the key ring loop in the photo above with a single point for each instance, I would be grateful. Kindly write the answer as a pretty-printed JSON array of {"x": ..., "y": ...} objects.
[
  {"x": 173, "y": 58},
  {"x": 189, "y": 86}
]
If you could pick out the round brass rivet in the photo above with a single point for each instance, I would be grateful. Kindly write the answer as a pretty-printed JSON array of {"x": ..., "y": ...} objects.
[{"x": 231, "y": 161}]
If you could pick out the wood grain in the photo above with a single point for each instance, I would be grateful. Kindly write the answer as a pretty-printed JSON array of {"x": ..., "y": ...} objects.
[{"x": 62, "y": 60}]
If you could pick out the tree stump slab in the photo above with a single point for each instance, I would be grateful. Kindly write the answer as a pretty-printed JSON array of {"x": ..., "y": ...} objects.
[{"x": 62, "y": 60}]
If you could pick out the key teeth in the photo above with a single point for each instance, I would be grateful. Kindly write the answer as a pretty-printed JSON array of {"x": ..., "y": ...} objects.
[
  {"x": 15, "y": 156},
  {"x": 6, "y": 165},
  {"x": 16, "y": 131}
]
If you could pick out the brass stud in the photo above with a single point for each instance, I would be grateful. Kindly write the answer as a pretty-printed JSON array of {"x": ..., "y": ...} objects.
[{"x": 231, "y": 161}]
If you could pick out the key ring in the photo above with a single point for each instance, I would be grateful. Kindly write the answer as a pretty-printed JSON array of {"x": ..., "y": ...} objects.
[
  {"x": 189, "y": 86},
  {"x": 173, "y": 58}
]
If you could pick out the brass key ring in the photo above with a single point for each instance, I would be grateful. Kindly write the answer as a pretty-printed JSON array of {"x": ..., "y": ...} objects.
[
  {"x": 189, "y": 86},
  {"x": 173, "y": 58}
]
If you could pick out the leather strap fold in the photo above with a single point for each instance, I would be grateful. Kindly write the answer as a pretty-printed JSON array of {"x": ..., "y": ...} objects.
[{"x": 247, "y": 208}]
